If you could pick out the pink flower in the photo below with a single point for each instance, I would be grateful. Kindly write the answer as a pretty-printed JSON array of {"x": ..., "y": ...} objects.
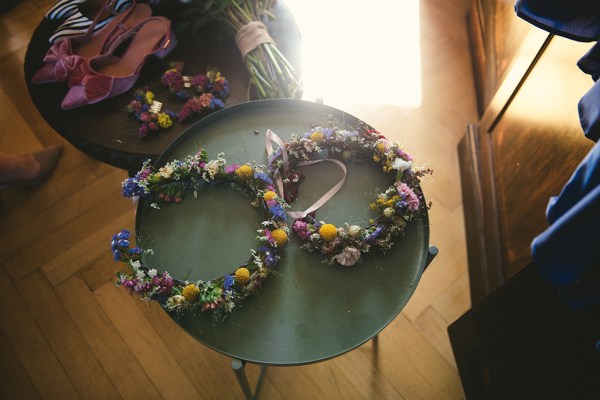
[
  {"x": 145, "y": 116},
  {"x": 408, "y": 196},
  {"x": 205, "y": 100},
  {"x": 230, "y": 169},
  {"x": 348, "y": 257}
]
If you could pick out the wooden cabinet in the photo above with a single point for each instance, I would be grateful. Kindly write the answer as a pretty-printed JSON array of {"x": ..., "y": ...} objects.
[
  {"x": 521, "y": 152},
  {"x": 496, "y": 35}
]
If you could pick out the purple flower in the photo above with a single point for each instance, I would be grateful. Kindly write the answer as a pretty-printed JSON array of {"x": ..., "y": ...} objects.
[
  {"x": 230, "y": 169},
  {"x": 271, "y": 258},
  {"x": 374, "y": 235},
  {"x": 404, "y": 155},
  {"x": 301, "y": 229},
  {"x": 200, "y": 80}
]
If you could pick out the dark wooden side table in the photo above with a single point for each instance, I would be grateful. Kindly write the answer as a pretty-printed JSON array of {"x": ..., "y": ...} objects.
[
  {"x": 306, "y": 312},
  {"x": 526, "y": 341},
  {"x": 106, "y": 131}
]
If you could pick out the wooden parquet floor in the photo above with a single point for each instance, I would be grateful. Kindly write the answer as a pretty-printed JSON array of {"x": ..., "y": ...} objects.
[{"x": 66, "y": 331}]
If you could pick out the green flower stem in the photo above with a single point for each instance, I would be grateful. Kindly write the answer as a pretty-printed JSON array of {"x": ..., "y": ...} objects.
[
  {"x": 255, "y": 76},
  {"x": 269, "y": 70}
]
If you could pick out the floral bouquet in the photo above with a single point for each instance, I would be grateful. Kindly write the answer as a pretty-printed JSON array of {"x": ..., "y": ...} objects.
[{"x": 270, "y": 72}]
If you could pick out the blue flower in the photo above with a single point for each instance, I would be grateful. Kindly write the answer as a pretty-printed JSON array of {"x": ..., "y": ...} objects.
[
  {"x": 135, "y": 251},
  {"x": 228, "y": 282},
  {"x": 216, "y": 103},
  {"x": 263, "y": 177},
  {"x": 271, "y": 258},
  {"x": 278, "y": 212},
  {"x": 131, "y": 188}
]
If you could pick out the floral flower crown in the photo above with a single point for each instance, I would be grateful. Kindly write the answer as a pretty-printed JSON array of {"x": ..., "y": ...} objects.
[
  {"x": 169, "y": 184},
  {"x": 395, "y": 206}
]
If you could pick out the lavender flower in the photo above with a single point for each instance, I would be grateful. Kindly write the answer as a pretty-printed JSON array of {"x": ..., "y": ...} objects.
[{"x": 374, "y": 235}]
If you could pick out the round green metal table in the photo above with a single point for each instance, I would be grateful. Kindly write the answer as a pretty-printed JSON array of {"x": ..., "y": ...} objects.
[{"x": 307, "y": 312}]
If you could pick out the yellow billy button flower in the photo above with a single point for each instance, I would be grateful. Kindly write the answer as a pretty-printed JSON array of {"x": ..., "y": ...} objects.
[
  {"x": 245, "y": 172},
  {"x": 242, "y": 275},
  {"x": 328, "y": 232},
  {"x": 191, "y": 292},
  {"x": 317, "y": 136},
  {"x": 279, "y": 236},
  {"x": 164, "y": 121},
  {"x": 269, "y": 195},
  {"x": 149, "y": 97}
]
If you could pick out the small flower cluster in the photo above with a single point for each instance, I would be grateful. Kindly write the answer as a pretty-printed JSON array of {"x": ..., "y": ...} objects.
[
  {"x": 204, "y": 93},
  {"x": 395, "y": 207},
  {"x": 187, "y": 87},
  {"x": 142, "y": 107},
  {"x": 221, "y": 294},
  {"x": 206, "y": 102}
]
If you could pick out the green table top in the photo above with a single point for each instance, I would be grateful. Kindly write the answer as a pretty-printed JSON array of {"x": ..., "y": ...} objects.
[{"x": 307, "y": 312}]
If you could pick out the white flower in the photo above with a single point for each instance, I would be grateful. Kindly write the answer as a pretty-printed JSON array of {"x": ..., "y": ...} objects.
[
  {"x": 166, "y": 171},
  {"x": 136, "y": 265},
  {"x": 152, "y": 273},
  {"x": 140, "y": 274},
  {"x": 175, "y": 301},
  {"x": 401, "y": 165},
  {"x": 354, "y": 231},
  {"x": 388, "y": 212},
  {"x": 348, "y": 257},
  {"x": 212, "y": 168}
]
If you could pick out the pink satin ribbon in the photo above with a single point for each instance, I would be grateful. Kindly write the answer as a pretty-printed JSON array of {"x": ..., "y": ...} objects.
[{"x": 271, "y": 137}]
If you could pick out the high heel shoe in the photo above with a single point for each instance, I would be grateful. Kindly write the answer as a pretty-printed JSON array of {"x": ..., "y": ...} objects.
[
  {"x": 63, "y": 9},
  {"x": 79, "y": 24},
  {"x": 107, "y": 75},
  {"x": 66, "y": 54}
]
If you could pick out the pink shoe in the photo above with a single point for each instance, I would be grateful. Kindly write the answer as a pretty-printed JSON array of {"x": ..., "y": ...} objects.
[
  {"x": 67, "y": 53},
  {"x": 107, "y": 76}
]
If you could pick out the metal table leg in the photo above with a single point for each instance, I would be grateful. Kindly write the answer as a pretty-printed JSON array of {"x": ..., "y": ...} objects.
[{"x": 239, "y": 368}]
